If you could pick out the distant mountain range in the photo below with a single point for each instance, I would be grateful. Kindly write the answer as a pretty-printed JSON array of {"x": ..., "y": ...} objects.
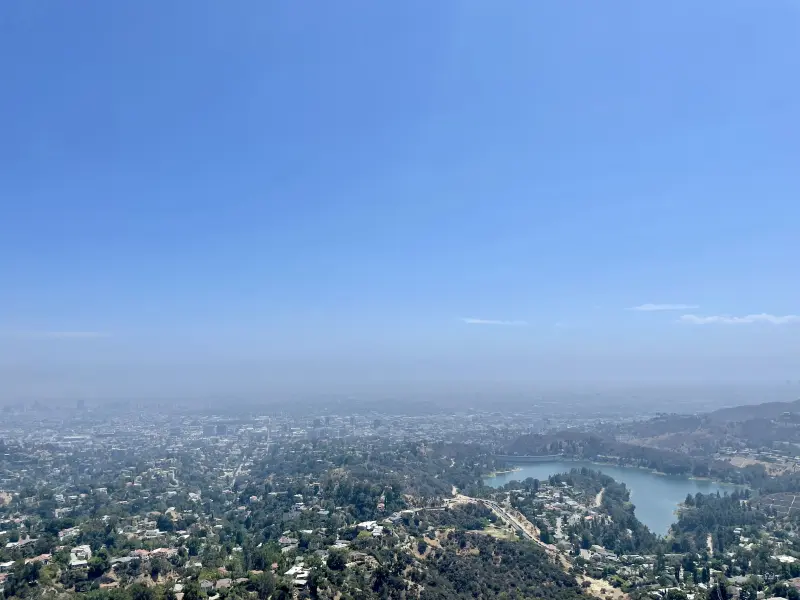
[
  {"x": 697, "y": 444},
  {"x": 767, "y": 410}
]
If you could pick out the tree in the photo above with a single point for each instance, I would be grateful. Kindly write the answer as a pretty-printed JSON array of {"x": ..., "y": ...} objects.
[
  {"x": 705, "y": 574},
  {"x": 660, "y": 564},
  {"x": 748, "y": 592},
  {"x": 164, "y": 523},
  {"x": 141, "y": 592},
  {"x": 192, "y": 591},
  {"x": 265, "y": 585},
  {"x": 282, "y": 592},
  {"x": 158, "y": 566},
  {"x": 336, "y": 561},
  {"x": 586, "y": 540},
  {"x": 719, "y": 592},
  {"x": 99, "y": 564},
  {"x": 193, "y": 546},
  {"x": 780, "y": 590}
]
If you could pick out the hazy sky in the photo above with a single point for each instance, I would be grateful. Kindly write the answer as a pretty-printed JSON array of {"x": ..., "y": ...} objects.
[{"x": 228, "y": 196}]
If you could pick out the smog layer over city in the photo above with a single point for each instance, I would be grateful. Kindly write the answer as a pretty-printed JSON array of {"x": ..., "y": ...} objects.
[{"x": 399, "y": 300}]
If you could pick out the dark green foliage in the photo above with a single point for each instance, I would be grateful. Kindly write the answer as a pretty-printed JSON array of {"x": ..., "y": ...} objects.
[
  {"x": 264, "y": 585},
  {"x": 783, "y": 590},
  {"x": 518, "y": 569},
  {"x": 22, "y": 579},
  {"x": 192, "y": 591},
  {"x": 164, "y": 523},
  {"x": 718, "y": 592},
  {"x": 717, "y": 516},
  {"x": 336, "y": 561}
]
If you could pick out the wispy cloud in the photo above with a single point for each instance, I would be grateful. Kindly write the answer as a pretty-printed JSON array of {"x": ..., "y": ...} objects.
[
  {"x": 729, "y": 320},
  {"x": 473, "y": 321},
  {"x": 657, "y": 307},
  {"x": 62, "y": 335}
]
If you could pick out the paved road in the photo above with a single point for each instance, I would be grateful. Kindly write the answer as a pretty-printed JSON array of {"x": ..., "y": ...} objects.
[{"x": 520, "y": 523}]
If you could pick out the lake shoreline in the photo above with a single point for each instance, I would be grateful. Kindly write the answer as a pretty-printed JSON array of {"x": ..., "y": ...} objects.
[
  {"x": 621, "y": 466},
  {"x": 505, "y": 472},
  {"x": 656, "y": 496}
]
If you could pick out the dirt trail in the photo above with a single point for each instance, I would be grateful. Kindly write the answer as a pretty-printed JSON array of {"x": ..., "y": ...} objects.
[{"x": 598, "y": 500}]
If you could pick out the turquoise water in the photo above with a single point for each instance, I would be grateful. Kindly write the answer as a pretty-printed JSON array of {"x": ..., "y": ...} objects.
[{"x": 655, "y": 496}]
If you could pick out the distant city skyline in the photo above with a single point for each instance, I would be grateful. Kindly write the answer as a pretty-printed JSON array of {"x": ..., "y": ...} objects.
[{"x": 250, "y": 198}]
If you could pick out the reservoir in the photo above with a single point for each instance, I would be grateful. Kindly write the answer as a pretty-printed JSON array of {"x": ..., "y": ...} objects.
[{"x": 655, "y": 496}]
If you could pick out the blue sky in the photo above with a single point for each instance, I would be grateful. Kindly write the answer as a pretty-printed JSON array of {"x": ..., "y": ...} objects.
[{"x": 226, "y": 196}]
